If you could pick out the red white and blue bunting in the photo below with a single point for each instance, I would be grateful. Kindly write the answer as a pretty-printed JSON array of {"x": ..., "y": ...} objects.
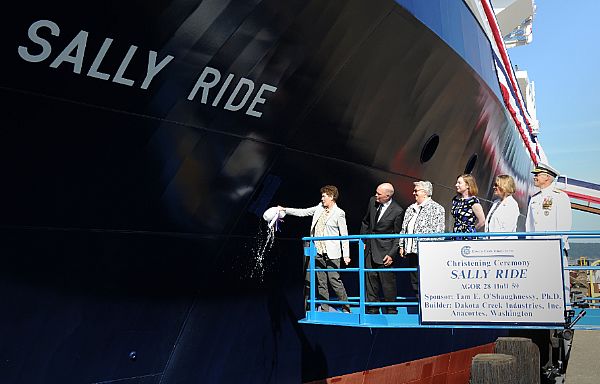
[{"x": 511, "y": 94}]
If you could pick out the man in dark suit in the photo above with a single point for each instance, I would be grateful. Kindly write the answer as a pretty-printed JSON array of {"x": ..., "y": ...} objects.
[{"x": 384, "y": 216}]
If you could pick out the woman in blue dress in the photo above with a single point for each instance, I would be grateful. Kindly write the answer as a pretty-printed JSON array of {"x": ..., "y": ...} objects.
[{"x": 466, "y": 208}]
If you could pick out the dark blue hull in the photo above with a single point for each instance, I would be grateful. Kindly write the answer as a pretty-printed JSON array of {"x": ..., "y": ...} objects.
[{"x": 130, "y": 211}]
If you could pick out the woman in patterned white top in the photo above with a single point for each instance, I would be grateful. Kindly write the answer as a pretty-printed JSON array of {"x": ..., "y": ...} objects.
[
  {"x": 423, "y": 216},
  {"x": 466, "y": 208}
]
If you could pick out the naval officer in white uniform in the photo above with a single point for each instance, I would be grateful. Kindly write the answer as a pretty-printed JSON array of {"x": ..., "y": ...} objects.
[{"x": 550, "y": 210}]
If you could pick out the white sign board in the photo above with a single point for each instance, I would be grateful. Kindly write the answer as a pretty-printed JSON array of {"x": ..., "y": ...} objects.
[{"x": 491, "y": 281}]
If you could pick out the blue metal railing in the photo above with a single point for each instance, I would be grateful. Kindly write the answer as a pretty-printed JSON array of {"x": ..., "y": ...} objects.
[{"x": 408, "y": 315}]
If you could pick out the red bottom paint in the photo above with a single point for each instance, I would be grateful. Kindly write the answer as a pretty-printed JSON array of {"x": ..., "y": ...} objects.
[{"x": 450, "y": 368}]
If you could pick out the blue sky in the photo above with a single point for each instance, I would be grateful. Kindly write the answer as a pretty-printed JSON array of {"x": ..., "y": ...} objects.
[{"x": 564, "y": 62}]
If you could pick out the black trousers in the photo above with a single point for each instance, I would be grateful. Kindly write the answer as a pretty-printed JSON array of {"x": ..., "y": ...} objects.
[
  {"x": 413, "y": 262},
  {"x": 387, "y": 280}
]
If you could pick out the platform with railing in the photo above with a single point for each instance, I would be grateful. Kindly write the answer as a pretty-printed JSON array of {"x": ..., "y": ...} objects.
[{"x": 584, "y": 313}]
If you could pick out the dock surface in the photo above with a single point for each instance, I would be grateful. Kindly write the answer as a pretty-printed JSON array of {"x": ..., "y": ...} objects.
[{"x": 583, "y": 365}]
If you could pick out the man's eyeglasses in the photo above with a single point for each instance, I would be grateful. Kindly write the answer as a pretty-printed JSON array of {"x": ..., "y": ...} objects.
[{"x": 417, "y": 190}]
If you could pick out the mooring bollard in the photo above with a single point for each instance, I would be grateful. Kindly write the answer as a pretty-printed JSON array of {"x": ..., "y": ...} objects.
[
  {"x": 493, "y": 368},
  {"x": 527, "y": 354}
]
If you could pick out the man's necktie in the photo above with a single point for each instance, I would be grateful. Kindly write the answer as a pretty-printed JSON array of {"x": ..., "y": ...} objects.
[{"x": 378, "y": 212}]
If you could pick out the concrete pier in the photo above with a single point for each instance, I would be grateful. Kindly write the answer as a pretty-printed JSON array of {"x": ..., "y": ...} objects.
[{"x": 583, "y": 365}]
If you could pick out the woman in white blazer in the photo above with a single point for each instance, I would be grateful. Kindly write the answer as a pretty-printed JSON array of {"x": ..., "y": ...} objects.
[
  {"x": 504, "y": 212},
  {"x": 327, "y": 220}
]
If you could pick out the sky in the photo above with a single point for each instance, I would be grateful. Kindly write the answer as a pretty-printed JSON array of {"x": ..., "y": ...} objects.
[{"x": 563, "y": 61}]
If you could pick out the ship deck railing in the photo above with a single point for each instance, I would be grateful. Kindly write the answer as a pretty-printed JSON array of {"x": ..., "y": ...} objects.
[{"x": 585, "y": 311}]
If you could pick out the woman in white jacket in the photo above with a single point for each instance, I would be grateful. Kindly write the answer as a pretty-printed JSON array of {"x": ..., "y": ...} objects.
[
  {"x": 504, "y": 213},
  {"x": 327, "y": 220}
]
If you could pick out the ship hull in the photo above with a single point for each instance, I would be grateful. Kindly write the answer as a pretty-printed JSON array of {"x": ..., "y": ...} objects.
[{"x": 133, "y": 205}]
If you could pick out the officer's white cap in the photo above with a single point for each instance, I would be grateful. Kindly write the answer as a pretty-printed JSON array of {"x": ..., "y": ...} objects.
[{"x": 545, "y": 168}]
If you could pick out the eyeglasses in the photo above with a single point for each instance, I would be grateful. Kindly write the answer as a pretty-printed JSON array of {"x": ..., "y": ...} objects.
[{"x": 417, "y": 190}]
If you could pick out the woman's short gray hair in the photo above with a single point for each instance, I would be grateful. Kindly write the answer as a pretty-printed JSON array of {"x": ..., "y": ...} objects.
[{"x": 426, "y": 186}]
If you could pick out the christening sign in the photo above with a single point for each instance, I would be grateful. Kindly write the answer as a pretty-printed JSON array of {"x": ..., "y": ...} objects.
[{"x": 492, "y": 281}]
